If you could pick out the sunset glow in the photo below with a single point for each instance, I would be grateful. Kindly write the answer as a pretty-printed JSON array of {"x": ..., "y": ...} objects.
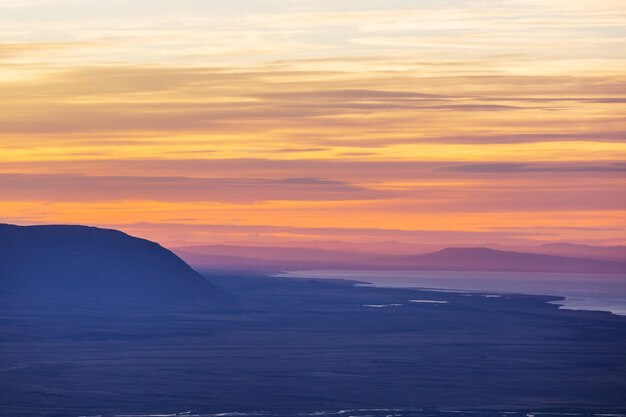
[{"x": 459, "y": 122}]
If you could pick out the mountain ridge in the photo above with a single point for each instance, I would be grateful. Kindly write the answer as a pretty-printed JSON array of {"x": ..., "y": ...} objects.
[{"x": 450, "y": 258}]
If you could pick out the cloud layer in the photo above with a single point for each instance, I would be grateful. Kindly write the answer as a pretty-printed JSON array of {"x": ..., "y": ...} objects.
[{"x": 456, "y": 116}]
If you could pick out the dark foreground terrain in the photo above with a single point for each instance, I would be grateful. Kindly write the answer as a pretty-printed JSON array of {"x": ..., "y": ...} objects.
[{"x": 296, "y": 347}]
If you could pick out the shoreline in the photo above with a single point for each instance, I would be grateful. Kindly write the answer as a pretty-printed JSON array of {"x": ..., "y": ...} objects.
[{"x": 567, "y": 299}]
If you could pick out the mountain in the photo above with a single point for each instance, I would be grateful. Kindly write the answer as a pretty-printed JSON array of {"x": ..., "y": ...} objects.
[
  {"x": 83, "y": 265},
  {"x": 485, "y": 259},
  {"x": 466, "y": 259}
]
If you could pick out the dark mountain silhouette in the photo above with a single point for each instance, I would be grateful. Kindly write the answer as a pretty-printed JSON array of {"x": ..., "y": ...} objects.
[
  {"x": 485, "y": 259},
  {"x": 88, "y": 265}
]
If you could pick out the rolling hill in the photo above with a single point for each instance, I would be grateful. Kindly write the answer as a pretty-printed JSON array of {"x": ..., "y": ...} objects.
[{"x": 66, "y": 265}]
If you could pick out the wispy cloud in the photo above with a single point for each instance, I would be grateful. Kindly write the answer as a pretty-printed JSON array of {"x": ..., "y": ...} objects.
[
  {"x": 66, "y": 187},
  {"x": 316, "y": 115}
]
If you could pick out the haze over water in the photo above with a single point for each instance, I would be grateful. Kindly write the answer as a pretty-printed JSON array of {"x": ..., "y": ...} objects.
[{"x": 603, "y": 292}]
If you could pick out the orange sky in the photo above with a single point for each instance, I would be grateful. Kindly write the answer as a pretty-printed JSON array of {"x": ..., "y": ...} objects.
[{"x": 430, "y": 121}]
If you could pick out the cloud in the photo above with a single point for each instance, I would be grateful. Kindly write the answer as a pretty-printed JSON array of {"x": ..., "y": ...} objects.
[
  {"x": 297, "y": 150},
  {"x": 208, "y": 100},
  {"x": 512, "y": 167},
  {"x": 66, "y": 187},
  {"x": 315, "y": 113},
  {"x": 490, "y": 138},
  {"x": 347, "y": 170},
  {"x": 7, "y": 4},
  {"x": 581, "y": 228},
  {"x": 352, "y": 95},
  {"x": 225, "y": 232},
  {"x": 10, "y": 50}
]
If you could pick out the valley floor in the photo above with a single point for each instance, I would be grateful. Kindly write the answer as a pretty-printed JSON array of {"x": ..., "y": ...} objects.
[{"x": 294, "y": 347}]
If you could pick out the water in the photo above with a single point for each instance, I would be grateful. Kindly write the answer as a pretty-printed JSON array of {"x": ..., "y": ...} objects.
[{"x": 603, "y": 292}]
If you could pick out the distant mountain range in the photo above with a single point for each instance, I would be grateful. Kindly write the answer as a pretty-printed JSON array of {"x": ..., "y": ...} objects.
[
  {"x": 614, "y": 253},
  {"x": 475, "y": 259},
  {"x": 90, "y": 266}
]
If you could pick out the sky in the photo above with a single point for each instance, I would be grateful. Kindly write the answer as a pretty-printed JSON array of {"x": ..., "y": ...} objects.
[{"x": 425, "y": 121}]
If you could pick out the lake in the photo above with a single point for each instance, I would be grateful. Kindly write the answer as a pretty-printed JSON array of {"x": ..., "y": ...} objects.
[{"x": 603, "y": 292}]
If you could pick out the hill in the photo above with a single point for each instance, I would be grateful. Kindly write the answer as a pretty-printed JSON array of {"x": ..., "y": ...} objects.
[{"x": 82, "y": 265}]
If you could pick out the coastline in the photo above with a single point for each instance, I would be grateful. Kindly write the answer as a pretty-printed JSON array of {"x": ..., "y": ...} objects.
[{"x": 576, "y": 293}]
